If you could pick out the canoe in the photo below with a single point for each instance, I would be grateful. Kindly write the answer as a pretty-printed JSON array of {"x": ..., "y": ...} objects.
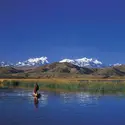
[{"x": 38, "y": 95}]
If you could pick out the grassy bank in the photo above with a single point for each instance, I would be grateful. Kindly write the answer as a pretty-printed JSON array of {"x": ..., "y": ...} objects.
[{"x": 95, "y": 85}]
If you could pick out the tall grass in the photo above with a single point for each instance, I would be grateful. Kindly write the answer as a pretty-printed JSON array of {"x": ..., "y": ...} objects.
[{"x": 101, "y": 87}]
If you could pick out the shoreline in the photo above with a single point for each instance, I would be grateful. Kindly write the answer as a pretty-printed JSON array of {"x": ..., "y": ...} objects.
[
  {"x": 93, "y": 85},
  {"x": 64, "y": 80}
]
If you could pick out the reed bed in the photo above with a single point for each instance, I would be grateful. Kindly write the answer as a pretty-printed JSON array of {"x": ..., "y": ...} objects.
[{"x": 86, "y": 85}]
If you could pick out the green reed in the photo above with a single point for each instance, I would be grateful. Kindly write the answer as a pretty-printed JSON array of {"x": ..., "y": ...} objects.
[{"x": 99, "y": 86}]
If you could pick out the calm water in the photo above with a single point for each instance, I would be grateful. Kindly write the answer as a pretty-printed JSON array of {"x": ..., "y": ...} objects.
[{"x": 18, "y": 107}]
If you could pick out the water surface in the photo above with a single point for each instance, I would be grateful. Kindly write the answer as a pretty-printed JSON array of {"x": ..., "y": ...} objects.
[{"x": 18, "y": 107}]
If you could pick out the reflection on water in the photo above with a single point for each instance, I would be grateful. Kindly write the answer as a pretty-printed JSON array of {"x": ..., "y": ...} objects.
[
  {"x": 60, "y": 108},
  {"x": 86, "y": 99},
  {"x": 36, "y": 102},
  {"x": 66, "y": 97},
  {"x": 81, "y": 98},
  {"x": 43, "y": 99}
]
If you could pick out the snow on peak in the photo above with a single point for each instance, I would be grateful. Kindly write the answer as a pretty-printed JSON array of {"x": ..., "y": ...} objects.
[
  {"x": 36, "y": 60},
  {"x": 5, "y": 64},
  {"x": 84, "y": 62},
  {"x": 97, "y": 62},
  {"x": 66, "y": 60},
  {"x": 117, "y": 64},
  {"x": 33, "y": 62},
  {"x": 89, "y": 60}
]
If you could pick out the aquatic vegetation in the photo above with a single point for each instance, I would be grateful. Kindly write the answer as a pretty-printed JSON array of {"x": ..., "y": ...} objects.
[{"x": 92, "y": 86}]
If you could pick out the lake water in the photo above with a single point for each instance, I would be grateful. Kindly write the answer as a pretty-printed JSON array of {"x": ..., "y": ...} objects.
[{"x": 18, "y": 107}]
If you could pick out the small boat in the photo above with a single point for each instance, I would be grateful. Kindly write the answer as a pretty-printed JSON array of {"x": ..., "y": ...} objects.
[{"x": 38, "y": 95}]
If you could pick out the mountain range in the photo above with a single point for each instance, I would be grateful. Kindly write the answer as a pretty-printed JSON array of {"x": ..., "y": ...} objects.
[
  {"x": 85, "y": 62},
  {"x": 66, "y": 68},
  {"x": 62, "y": 70},
  {"x": 35, "y": 62},
  {"x": 27, "y": 63}
]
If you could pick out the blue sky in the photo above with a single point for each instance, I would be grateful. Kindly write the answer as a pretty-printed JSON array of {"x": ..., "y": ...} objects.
[{"x": 62, "y": 29}]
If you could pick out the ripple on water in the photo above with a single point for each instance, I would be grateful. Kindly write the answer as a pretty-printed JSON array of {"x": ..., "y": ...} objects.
[{"x": 80, "y": 98}]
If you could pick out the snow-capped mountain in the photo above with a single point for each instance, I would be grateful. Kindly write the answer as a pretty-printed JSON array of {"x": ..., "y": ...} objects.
[
  {"x": 33, "y": 62},
  {"x": 30, "y": 62},
  {"x": 84, "y": 62},
  {"x": 117, "y": 64},
  {"x": 5, "y": 64}
]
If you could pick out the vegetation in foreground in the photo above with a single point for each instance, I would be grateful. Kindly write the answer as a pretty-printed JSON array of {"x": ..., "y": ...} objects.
[{"x": 103, "y": 87}]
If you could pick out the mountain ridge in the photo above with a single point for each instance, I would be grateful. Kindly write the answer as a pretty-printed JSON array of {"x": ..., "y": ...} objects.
[
  {"x": 84, "y": 62},
  {"x": 36, "y": 62},
  {"x": 63, "y": 70}
]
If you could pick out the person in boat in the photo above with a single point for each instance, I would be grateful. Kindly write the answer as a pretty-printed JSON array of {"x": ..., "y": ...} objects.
[{"x": 36, "y": 88}]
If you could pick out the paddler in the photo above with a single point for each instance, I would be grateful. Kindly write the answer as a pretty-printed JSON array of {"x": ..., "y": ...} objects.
[{"x": 36, "y": 88}]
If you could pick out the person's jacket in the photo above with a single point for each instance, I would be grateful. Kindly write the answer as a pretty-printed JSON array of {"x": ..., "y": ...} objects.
[{"x": 36, "y": 88}]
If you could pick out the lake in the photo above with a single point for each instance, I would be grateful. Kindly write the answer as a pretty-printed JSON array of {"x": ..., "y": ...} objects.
[{"x": 18, "y": 107}]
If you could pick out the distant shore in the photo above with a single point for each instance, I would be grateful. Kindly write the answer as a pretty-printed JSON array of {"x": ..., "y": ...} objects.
[{"x": 65, "y": 80}]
